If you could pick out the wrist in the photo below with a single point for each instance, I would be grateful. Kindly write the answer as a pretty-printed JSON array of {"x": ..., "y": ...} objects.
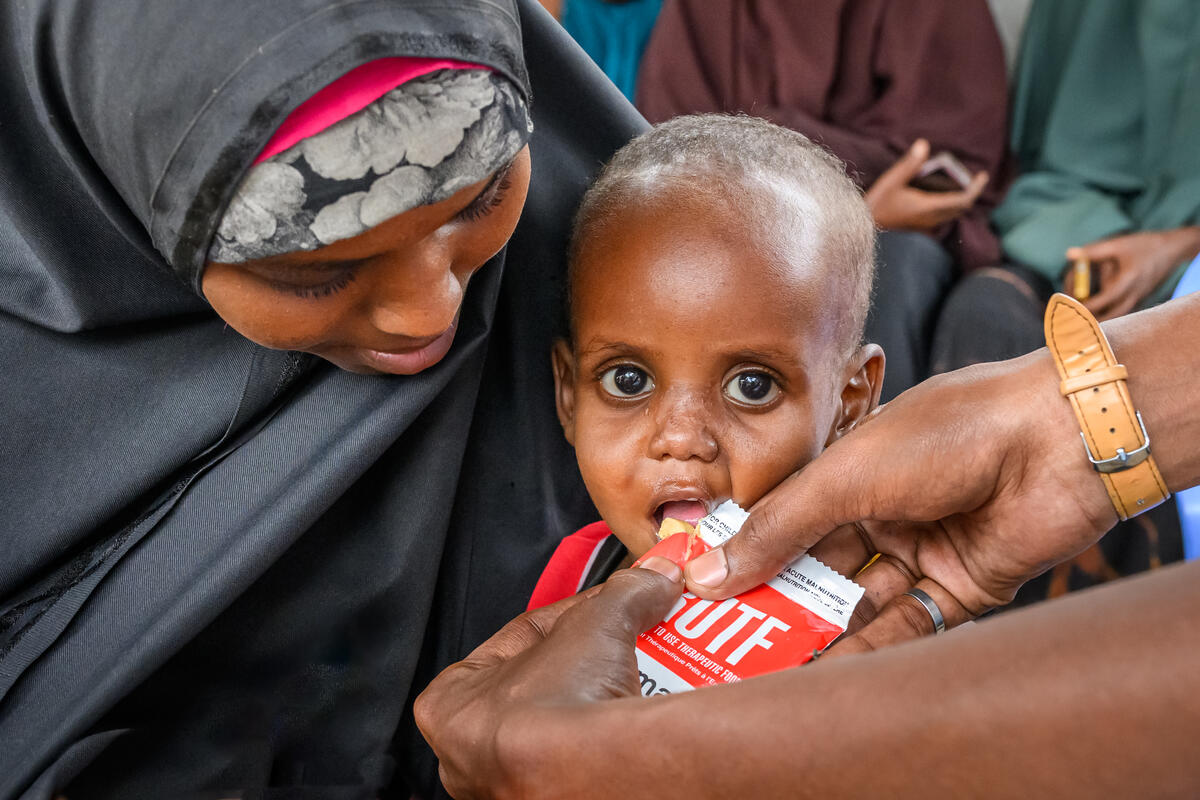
[
  {"x": 1157, "y": 347},
  {"x": 1051, "y": 434}
]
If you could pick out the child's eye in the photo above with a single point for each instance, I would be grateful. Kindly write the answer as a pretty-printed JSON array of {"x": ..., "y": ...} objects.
[
  {"x": 626, "y": 380},
  {"x": 752, "y": 388}
]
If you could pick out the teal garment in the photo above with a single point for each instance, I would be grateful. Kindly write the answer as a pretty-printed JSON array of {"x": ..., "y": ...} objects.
[
  {"x": 613, "y": 34},
  {"x": 1106, "y": 127}
]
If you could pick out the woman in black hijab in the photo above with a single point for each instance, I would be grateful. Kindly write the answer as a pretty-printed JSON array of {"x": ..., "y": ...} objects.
[{"x": 227, "y": 568}]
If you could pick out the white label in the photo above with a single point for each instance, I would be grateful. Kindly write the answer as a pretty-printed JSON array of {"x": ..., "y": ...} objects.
[
  {"x": 805, "y": 581},
  {"x": 654, "y": 677}
]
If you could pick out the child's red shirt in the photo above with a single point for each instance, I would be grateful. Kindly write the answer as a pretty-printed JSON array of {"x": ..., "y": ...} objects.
[{"x": 583, "y": 559}]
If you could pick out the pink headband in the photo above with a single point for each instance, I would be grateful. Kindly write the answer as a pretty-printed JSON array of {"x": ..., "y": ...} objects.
[{"x": 351, "y": 93}]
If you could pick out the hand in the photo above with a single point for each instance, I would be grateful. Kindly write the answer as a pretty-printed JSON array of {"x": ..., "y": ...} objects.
[
  {"x": 478, "y": 715},
  {"x": 897, "y": 206},
  {"x": 1133, "y": 266},
  {"x": 968, "y": 485}
]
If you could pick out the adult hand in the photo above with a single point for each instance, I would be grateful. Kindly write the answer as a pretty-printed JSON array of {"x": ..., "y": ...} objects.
[
  {"x": 1132, "y": 266},
  {"x": 968, "y": 485},
  {"x": 478, "y": 713},
  {"x": 896, "y": 205}
]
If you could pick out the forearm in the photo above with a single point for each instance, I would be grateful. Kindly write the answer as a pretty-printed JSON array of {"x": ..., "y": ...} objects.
[
  {"x": 1087, "y": 695},
  {"x": 1161, "y": 349}
]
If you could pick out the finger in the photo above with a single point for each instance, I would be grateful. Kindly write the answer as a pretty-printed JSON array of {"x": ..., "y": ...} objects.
[
  {"x": 629, "y": 602},
  {"x": 906, "y": 167},
  {"x": 846, "y": 550},
  {"x": 945, "y": 206},
  {"x": 975, "y": 188},
  {"x": 1111, "y": 294},
  {"x": 781, "y": 527},
  {"x": 902, "y": 619},
  {"x": 1095, "y": 251},
  {"x": 883, "y": 580},
  {"x": 1121, "y": 307},
  {"x": 523, "y": 632}
]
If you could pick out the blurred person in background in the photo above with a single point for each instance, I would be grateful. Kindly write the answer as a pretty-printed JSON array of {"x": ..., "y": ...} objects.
[
  {"x": 613, "y": 33},
  {"x": 1106, "y": 105},
  {"x": 883, "y": 85}
]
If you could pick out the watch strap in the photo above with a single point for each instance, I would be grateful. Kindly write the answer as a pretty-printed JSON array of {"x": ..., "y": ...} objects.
[{"x": 1113, "y": 434}]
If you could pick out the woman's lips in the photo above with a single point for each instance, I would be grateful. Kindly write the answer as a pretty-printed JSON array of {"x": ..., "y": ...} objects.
[{"x": 412, "y": 361}]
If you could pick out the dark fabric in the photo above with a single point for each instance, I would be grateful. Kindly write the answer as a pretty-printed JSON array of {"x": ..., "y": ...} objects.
[
  {"x": 863, "y": 77},
  {"x": 994, "y": 314},
  {"x": 1106, "y": 105},
  {"x": 913, "y": 274},
  {"x": 991, "y": 315},
  {"x": 227, "y": 569}
]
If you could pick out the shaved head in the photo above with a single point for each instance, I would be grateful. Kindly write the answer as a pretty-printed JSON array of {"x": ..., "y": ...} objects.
[{"x": 789, "y": 198}]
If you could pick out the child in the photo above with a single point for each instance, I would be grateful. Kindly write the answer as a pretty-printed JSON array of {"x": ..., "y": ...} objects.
[{"x": 720, "y": 275}]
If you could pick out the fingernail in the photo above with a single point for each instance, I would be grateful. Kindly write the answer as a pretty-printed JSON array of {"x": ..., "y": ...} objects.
[
  {"x": 709, "y": 569},
  {"x": 663, "y": 566}
]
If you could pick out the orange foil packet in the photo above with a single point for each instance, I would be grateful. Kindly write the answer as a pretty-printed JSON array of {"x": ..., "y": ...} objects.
[{"x": 775, "y": 626}]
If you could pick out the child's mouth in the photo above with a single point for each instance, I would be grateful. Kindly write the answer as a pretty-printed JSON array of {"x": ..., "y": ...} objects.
[{"x": 689, "y": 511}]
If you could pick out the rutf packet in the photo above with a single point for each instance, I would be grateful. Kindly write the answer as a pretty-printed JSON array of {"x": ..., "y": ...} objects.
[{"x": 775, "y": 626}]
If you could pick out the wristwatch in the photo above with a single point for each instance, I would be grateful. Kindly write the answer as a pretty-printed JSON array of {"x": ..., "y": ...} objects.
[{"x": 1114, "y": 436}]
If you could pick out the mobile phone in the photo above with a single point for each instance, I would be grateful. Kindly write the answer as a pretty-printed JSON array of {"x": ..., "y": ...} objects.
[{"x": 942, "y": 173}]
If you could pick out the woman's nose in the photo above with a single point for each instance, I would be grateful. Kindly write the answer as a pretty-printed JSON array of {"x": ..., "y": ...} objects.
[
  {"x": 418, "y": 295},
  {"x": 682, "y": 430}
]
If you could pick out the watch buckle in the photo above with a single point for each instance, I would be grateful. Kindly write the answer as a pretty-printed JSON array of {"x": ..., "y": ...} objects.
[{"x": 1122, "y": 460}]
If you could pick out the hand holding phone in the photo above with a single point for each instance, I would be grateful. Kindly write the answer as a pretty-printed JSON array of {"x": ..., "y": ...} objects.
[
  {"x": 942, "y": 173},
  {"x": 897, "y": 203}
]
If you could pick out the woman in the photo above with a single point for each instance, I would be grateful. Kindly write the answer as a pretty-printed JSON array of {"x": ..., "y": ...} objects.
[{"x": 228, "y": 566}]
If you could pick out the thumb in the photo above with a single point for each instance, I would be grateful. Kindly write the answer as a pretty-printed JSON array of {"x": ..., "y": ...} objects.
[
  {"x": 1095, "y": 251},
  {"x": 975, "y": 188},
  {"x": 781, "y": 527},
  {"x": 906, "y": 167},
  {"x": 628, "y": 603}
]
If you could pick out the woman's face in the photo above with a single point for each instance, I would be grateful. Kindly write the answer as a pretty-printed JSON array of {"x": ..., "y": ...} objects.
[{"x": 385, "y": 301}]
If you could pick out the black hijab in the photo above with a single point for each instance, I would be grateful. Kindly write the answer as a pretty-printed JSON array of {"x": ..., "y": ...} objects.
[{"x": 226, "y": 568}]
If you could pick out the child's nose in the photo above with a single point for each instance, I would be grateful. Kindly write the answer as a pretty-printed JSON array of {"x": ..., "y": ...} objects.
[{"x": 682, "y": 432}]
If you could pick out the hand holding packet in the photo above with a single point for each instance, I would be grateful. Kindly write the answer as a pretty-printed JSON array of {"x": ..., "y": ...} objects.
[{"x": 777, "y": 625}]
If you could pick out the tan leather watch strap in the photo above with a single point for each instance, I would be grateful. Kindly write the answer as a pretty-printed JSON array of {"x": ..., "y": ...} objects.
[{"x": 1094, "y": 383}]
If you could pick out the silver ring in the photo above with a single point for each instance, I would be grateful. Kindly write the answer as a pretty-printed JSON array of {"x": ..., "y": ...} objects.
[{"x": 922, "y": 597}]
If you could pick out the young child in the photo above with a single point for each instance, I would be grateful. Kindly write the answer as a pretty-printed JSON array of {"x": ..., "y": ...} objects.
[{"x": 720, "y": 275}]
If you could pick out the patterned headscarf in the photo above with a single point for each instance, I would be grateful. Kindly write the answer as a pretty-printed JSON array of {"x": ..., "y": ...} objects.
[{"x": 415, "y": 145}]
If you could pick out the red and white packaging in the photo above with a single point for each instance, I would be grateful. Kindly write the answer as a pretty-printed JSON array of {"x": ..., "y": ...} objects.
[{"x": 775, "y": 626}]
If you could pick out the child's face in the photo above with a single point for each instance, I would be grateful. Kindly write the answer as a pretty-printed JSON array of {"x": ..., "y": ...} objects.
[
  {"x": 704, "y": 368},
  {"x": 385, "y": 301}
]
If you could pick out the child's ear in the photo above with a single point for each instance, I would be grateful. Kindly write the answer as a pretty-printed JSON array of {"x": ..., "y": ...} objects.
[
  {"x": 860, "y": 394},
  {"x": 563, "y": 362}
]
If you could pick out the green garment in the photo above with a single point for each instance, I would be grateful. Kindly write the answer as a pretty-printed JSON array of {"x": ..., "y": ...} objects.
[{"x": 1106, "y": 127}]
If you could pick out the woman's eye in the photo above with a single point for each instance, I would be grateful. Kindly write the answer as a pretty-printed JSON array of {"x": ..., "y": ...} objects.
[
  {"x": 321, "y": 290},
  {"x": 626, "y": 381},
  {"x": 490, "y": 198},
  {"x": 752, "y": 388}
]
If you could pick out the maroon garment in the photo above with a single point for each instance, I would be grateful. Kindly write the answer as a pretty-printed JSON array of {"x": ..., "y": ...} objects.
[{"x": 863, "y": 77}]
